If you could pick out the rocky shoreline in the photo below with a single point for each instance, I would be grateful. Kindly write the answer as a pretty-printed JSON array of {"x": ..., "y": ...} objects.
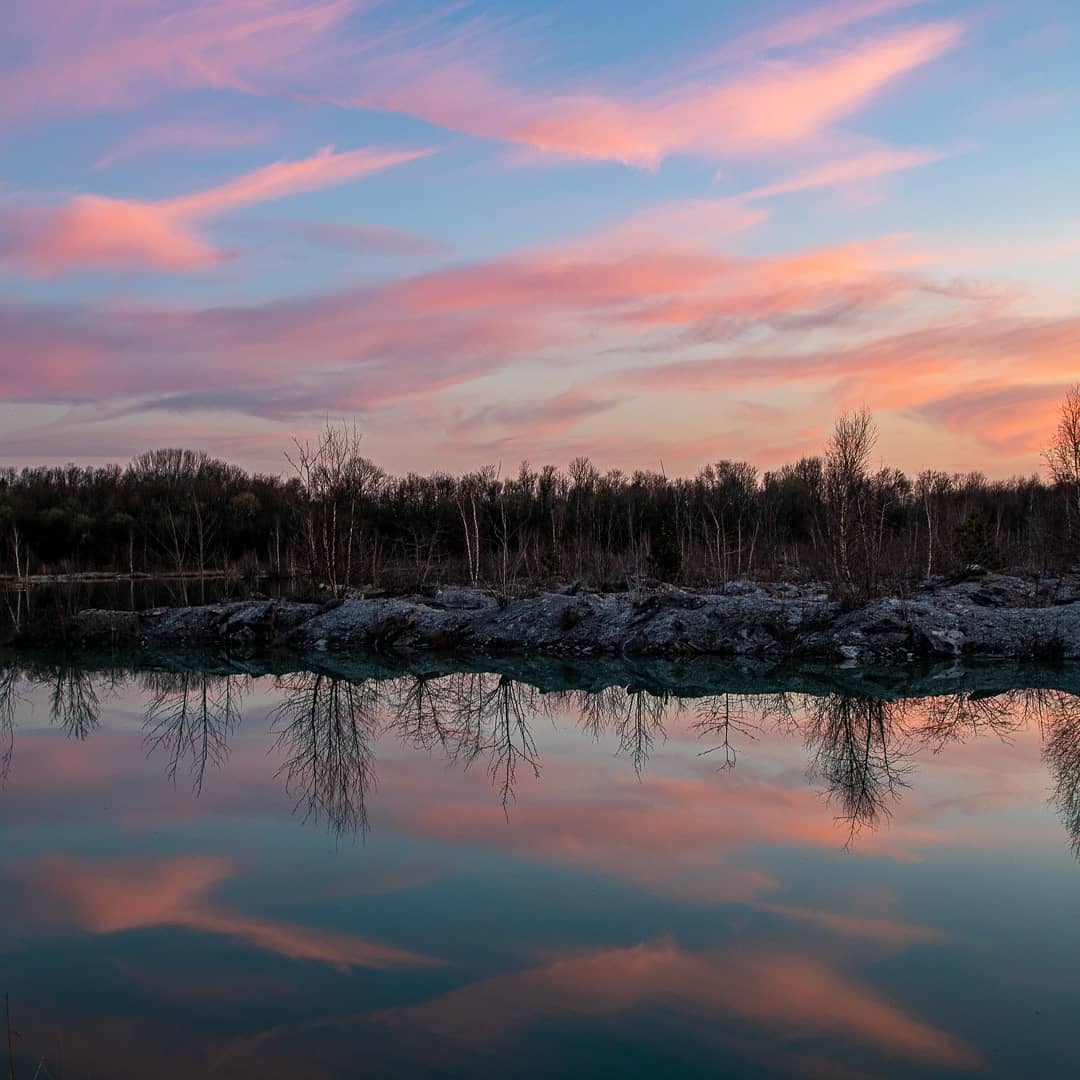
[{"x": 984, "y": 616}]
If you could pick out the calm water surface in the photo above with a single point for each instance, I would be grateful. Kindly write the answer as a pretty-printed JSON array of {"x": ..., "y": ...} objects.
[{"x": 244, "y": 875}]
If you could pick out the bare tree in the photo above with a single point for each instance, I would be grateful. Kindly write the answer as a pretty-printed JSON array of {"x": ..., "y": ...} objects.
[
  {"x": 847, "y": 462},
  {"x": 930, "y": 486},
  {"x": 335, "y": 479},
  {"x": 1062, "y": 456}
]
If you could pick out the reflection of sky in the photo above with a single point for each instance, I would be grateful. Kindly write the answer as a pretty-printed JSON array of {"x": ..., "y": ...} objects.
[{"x": 606, "y": 923}]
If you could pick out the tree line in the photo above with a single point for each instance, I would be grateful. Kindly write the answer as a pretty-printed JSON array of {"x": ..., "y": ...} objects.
[{"x": 340, "y": 521}]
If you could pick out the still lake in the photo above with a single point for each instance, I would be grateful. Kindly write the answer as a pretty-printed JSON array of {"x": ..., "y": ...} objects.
[{"x": 537, "y": 871}]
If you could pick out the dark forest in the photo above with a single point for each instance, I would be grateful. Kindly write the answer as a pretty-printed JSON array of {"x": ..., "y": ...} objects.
[{"x": 338, "y": 520}]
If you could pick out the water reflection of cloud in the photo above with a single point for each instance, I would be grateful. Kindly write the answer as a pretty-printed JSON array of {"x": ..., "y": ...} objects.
[
  {"x": 693, "y": 835},
  {"x": 791, "y": 995},
  {"x": 110, "y": 897}
]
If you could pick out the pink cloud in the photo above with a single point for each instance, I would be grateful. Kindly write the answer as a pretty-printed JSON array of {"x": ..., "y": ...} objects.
[
  {"x": 774, "y": 105},
  {"x": 805, "y": 26},
  {"x": 858, "y": 321},
  {"x": 450, "y": 71},
  {"x": 84, "y": 55},
  {"x": 282, "y": 235},
  {"x": 163, "y": 137},
  {"x": 868, "y": 166},
  {"x": 958, "y": 356},
  {"x": 93, "y": 231},
  {"x": 1010, "y": 418},
  {"x": 533, "y": 420},
  {"x": 415, "y": 335}
]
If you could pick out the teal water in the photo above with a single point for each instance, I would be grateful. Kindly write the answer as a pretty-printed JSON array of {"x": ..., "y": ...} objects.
[{"x": 458, "y": 874}]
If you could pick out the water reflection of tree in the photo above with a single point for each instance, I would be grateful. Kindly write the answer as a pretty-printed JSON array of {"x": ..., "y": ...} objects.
[
  {"x": 325, "y": 726},
  {"x": 637, "y": 717},
  {"x": 189, "y": 718},
  {"x": 722, "y": 717},
  {"x": 951, "y": 718},
  {"x": 509, "y": 706},
  {"x": 642, "y": 723},
  {"x": 859, "y": 749},
  {"x": 599, "y": 710},
  {"x": 421, "y": 709},
  {"x": 73, "y": 700},
  {"x": 1058, "y": 715},
  {"x": 10, "y": 679},
  {"x": 492, "y": 717},
  {"x": 474, "y": 716}
]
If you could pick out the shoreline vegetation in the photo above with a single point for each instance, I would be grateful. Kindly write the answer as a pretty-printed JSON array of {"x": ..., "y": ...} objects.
[
  {"x": 341, "y": 522},
  {"x": 828, "y": 557}
]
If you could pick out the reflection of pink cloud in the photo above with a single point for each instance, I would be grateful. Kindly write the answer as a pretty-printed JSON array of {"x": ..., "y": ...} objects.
[
  {"x": 107, "y": 898},
  {"x": 791, "y": 996},
  {"x": 691, "y": 836},
  {"x": 849, "y": 924},
  {"x": 95, "y": 231}
]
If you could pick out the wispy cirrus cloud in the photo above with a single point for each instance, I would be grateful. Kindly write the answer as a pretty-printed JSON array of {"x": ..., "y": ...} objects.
[
  {"x": 88, "y": 55},
  {"x": 285, "y": 235},
  {"x": 643, "y": 309},
  {"x": 183, "y": 137},
  {"x": 95, "y": 231},
  {"x": 530, "y": 421},
  {"x": 870, "y": 165},
  {"x": 771, "y": 105},
  {"x": 1013, "y": 418},
  {"x": 451, "y": 69},
  {"x": 417, "y": 334}
]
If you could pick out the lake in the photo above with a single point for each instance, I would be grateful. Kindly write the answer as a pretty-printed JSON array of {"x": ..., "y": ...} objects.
[{"x": 533, "y": 868}]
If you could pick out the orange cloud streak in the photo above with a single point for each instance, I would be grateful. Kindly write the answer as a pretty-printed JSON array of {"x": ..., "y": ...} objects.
[{"x": 95, "y": 231}]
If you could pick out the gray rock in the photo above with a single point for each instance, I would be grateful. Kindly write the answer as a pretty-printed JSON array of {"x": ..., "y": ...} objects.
[{"x": 979, "y": 617}]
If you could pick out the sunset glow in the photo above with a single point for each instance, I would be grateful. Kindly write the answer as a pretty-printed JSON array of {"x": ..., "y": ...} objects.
[{"x": 503, "y": 230}]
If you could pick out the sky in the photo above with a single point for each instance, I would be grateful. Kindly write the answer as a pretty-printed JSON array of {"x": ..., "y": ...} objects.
[{"x": 653, "y": 234}]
